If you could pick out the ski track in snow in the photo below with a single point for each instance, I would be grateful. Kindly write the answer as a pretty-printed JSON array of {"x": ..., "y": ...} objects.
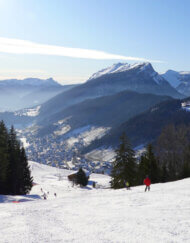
[{"x": 95, "y": 215}]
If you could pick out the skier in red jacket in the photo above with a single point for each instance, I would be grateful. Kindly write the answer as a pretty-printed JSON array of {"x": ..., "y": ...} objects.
[{"x": 147, "y": 182}]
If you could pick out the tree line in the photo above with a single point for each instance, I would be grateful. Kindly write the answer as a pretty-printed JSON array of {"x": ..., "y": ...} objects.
[
  {"x": 15, "y": 177},
  {"x": 168, "y": 159}
]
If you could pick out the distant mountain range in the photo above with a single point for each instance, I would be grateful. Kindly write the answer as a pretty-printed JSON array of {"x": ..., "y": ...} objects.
[
  {"x": 92, "y": 116},
  {"x": 179, "y": 80},
  {"x": 140, "y": 78},
  {"x": 17, "y": 94}
]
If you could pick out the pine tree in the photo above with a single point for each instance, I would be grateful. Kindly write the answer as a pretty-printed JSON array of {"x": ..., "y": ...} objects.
[
  {"x": 164, "y": 173},
  {"x": 185, "y": 170},
  {"x": 124, "y": 166},
  {"x": 4, "y": 158},
  {"x": 20, "y": 181},
  {"x": 25, "y": 179},
  {"x": 14, "y": 163},
  {"x": 15, "y": 175},
  {"x": 143, "y": 169},
  {"x": 172, "y": 149},
  {"x": 149, "y": 165},
  {"x": 185, "y": 173}
]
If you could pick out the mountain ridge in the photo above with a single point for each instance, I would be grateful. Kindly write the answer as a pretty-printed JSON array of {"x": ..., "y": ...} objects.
[
  {"x": 140, "y": 78},
  {"x": 179, "y": 80}
]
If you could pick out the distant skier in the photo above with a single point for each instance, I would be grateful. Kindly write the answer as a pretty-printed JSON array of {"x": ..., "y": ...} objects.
[
  {"x": 55, "y": 194},
  {"x": 147, "y": 182},
  {"x": 44, "y": 196},
  {"x": 127, "y": 185}
]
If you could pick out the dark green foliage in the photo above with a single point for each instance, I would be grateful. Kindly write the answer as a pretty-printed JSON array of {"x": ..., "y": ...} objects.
[
  {"x": 4, "y": 158},
  {"x": 168, "y": 160},
  {"x": 14, "y": 170},
  {"x": 149, "y": 166},
  {"x": 185, "y": 170},
  {"x": 171, "y": 160},
  {"x": 81, "y": 178},
  {"x": 14, "y": 162},
  {"x": 25, "y": 176},
  {"x": 186, "y": 165},
  {"x": 173, "y": 150},
  {"x": 164, "y": 173},
  {"x": 124, "y": 166}
]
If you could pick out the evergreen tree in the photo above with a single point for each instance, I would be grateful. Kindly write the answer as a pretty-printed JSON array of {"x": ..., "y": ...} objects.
[
  {"x": 20, "y": 181},
  {"x": 143, "y": 169},
  {"x": 124, "y": 166},
  {"x": 4, "y": 158},
  {"x": 15, "y": 175},
  {"x": 164, "y": 173},
  {"x": 25, "y": 179},
  {"x": 186, "y": 165},
  {"x": 149, "y": 166},
  {"x": 81, "y": 178},
  {"x": 185, "y": 170},
  {"x": 172, "y": 149},
  {"x": 14, "y": 163}
]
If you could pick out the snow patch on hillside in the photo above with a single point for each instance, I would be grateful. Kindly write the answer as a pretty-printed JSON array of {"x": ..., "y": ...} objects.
[
  {"x": 86, "y": 135},
  {"x": 24, "y": 142},
  {"x": 28, "y": 112},
  {"x": 107, "y": 155},
  {"x": 62, "y": 130},
  {"x": 63, "y": 121},
  {"x": 185, "y": 106}
]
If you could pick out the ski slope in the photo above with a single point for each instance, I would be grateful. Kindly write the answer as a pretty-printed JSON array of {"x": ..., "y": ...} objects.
[{"x": 95, "y": 215}]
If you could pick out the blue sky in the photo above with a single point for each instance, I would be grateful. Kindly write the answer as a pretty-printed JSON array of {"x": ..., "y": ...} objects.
[{"x": 148, "y": 29}]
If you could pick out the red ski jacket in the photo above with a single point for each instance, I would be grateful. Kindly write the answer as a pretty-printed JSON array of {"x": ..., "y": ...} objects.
[{"x": 147, "y": 182}]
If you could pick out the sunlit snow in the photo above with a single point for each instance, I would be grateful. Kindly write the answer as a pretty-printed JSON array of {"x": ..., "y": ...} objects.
[
  {"x": 95, "y": 214},
  {"x": 28, "y": 112}
]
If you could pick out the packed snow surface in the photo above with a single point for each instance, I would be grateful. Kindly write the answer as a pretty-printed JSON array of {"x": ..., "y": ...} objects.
[{"x": 95, "y": 214}]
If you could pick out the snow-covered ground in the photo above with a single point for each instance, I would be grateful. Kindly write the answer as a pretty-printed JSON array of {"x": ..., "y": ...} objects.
[{"x": 95, "y": 215}]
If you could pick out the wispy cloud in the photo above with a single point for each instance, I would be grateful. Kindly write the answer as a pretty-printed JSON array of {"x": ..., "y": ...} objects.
[{"x": 16, "y": 46}]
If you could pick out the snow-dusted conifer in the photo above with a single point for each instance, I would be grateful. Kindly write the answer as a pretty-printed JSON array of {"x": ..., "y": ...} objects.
[{"x": 124, "y": 166}]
